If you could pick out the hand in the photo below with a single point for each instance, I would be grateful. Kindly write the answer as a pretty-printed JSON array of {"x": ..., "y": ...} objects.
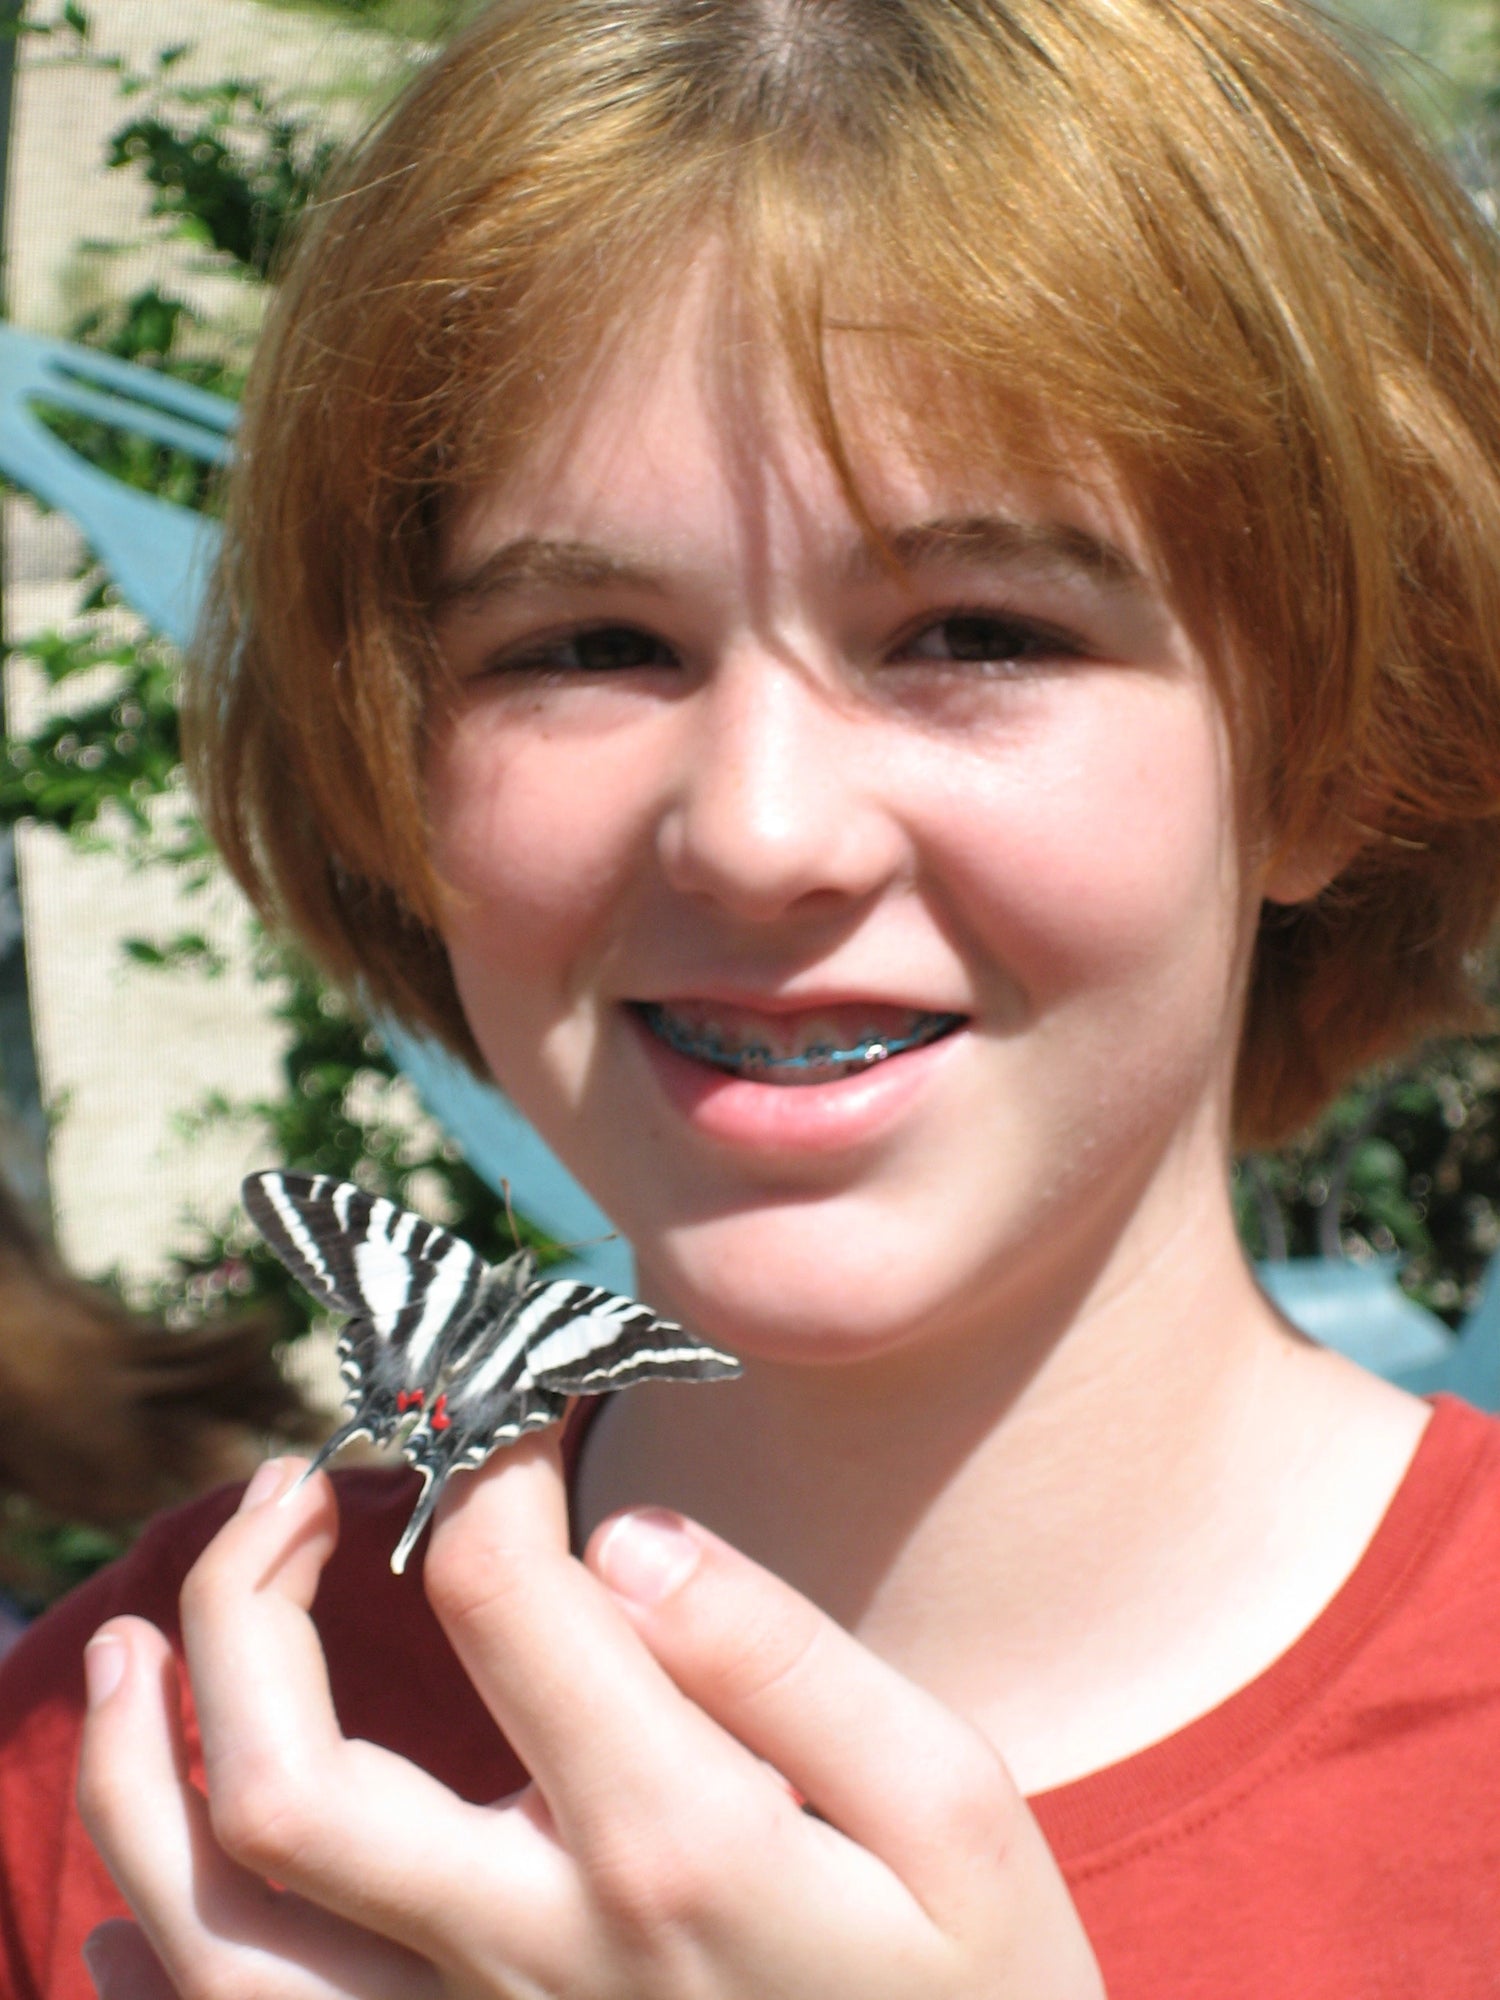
[{"x": 665, "y": 1695}]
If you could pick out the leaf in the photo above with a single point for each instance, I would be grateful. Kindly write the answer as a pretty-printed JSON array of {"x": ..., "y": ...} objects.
[{"x": 189, "y": 951}]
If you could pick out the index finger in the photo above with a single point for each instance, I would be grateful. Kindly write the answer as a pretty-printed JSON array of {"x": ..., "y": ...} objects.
[{"x": 604, "y": 1732}]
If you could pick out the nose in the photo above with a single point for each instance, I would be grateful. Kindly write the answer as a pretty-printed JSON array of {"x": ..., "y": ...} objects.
[{"x": 779, "y": 805}]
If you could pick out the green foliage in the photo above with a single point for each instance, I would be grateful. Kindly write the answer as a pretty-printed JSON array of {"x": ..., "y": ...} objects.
[
  {"x": 41, "y": 1557},
  {"x": 1407, "y": 1164},
  {"x": 342, "y": 1110},
  {"x": 104, "y": 769},
  {"x": 100, "y": 766},
  {"x": 149, "y": 328},
  {"x": 230, "y": 167},
  {"x": 407, "y": 20},
  {"x": 68, "y": 30}
]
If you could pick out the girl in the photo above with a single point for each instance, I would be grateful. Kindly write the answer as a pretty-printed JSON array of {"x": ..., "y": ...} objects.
[{"x": 786, "y": 524}]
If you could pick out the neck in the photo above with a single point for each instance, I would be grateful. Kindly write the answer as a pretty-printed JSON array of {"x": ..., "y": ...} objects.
[{"x": 1092, "y": 1528}]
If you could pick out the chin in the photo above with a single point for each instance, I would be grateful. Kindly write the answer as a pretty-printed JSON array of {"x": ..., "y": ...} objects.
[{"x": 818, "y": 1298}]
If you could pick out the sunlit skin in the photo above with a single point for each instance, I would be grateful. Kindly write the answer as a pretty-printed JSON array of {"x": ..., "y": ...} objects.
[
  {"x": 709, "y": 747},
  {"x": 1033, "y": 1473}
]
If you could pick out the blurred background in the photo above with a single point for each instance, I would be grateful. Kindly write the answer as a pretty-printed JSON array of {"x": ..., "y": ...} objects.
[{"x": 154, "y": 1046}]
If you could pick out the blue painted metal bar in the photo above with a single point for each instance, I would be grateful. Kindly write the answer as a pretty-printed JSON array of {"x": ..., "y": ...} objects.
[
  {"x": 500, "y": 1145},
  {"x": 158, "y": 555},
  {"x": 108, "y": 408},
  {"x": 1361, "y": 1310}
]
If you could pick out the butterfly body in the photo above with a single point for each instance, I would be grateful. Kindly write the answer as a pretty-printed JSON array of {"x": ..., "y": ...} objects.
[{"x": 446, "y": 1354}]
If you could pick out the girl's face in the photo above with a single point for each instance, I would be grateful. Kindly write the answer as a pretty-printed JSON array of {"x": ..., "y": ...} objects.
[{"x": 727, "y": 791}]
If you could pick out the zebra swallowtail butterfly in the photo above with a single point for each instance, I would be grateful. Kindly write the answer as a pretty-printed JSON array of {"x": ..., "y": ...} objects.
[{"x": 460, "y": 1355}]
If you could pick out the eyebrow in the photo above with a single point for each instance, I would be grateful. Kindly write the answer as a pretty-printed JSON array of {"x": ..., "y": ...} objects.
[
  {"x": 971, "y": 541},
  {"x": 533, "y": 563},
  {"x": 976, "y": 541}
]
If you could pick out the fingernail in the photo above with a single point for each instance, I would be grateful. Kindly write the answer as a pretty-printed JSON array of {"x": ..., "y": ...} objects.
[
  {"x": 104, "y": 1663},
  {"x": 262, "y": 1485},
  {"x": 647, "y": 1555},
  {"x": 120, "y": 1963},
  {"x": 96, "y": 1965}
]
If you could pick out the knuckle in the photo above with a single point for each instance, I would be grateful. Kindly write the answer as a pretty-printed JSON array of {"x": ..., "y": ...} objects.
[
  {"x": 757, "y": 1661},
  {"x": 206, "y": 1586},
  {"x": 972, "y": 1805},
  {"x": 650, "y": 1891},
  {"x": 262, "y": 1817},
  {"x": 101, "y": 1797}
]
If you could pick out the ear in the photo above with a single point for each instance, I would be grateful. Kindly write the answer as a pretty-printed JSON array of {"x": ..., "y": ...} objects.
[{"x": 1299, "y": 872}]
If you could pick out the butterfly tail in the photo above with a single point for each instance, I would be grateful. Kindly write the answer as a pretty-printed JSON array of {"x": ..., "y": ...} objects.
[
  {"x": 433, "y": 1483},
  {"x": 358, "y": 1426}
]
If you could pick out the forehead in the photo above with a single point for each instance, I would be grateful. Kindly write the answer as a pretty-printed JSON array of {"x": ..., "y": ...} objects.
[{"x": 691, "y": 424}]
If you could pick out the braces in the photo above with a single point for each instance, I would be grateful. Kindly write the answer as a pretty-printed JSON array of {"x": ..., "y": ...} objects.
[{"x": 757, "y": 1058}]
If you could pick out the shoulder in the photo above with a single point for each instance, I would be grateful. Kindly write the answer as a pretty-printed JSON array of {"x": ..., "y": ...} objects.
[
  {"x": 1332, "y": 1827},
  {"x": 1435, "y": 1592}
]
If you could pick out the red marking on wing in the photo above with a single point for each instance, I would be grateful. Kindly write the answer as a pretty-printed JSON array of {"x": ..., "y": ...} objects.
[
  {"x": 440, "y": 1419},
  {"x": 409, "y": 1399}
]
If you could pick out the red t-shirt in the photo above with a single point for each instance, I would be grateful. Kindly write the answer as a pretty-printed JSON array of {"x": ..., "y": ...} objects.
[{"x": 1331, "y": 1832}]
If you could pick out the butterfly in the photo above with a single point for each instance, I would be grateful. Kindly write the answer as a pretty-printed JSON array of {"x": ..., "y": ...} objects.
[{"x": 459, "y": 1355}]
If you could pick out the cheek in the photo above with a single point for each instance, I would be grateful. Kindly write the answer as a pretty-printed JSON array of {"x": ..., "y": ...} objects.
[
  {"x": 1106, "y": 852},
  {"x": 531, "y": 837}
]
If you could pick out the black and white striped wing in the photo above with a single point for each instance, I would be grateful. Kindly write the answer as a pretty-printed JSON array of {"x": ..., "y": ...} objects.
[
  {"x": 405, "y": 1282},
  {"x": 361, "y": 1254},
  {"x": 585, "y": 1341},
  {"x": 457, "y": 1431},
  {"x": 513, "y": 1370}
]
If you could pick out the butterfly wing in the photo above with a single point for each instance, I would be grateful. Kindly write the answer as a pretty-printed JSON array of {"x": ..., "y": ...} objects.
[
  {"x": 588, "y": 1341},
  {"x": 520, "y": 1361},
  {"x": 480, "y": 1355},
  {"x": 485, "y": 1400},
  {"x": 409, "y": 1285}
]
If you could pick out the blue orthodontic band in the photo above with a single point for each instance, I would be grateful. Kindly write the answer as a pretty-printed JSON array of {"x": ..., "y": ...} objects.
[{"x": 873, "y": 1049}]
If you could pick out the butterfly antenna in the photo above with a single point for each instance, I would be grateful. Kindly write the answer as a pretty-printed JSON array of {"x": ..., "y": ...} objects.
[
  {"x": 588, "y": 1242},
  {"x": 510, "y": 1214}
]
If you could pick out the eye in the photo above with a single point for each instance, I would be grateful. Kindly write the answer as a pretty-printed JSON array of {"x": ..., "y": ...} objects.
[
  {"x": 600, "y": 649},
  {"x": 993, "y": 639}
]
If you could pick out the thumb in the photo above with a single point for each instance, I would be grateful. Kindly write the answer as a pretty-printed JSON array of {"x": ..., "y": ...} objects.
[{"x": 880, "y": 1758}]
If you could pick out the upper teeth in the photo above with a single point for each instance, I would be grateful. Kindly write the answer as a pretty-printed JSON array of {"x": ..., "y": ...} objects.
[{"x": 787, "y": 1044}]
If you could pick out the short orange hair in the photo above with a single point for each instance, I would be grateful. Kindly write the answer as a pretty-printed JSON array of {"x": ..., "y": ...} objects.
[{"x": 1191, "y": 232}]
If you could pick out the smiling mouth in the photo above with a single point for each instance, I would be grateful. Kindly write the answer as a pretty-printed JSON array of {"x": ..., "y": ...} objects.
[{"x": 821, "y": 1046}]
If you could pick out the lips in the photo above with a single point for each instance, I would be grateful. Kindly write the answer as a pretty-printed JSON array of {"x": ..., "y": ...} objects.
[{"x": 814, "y": 1046}]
